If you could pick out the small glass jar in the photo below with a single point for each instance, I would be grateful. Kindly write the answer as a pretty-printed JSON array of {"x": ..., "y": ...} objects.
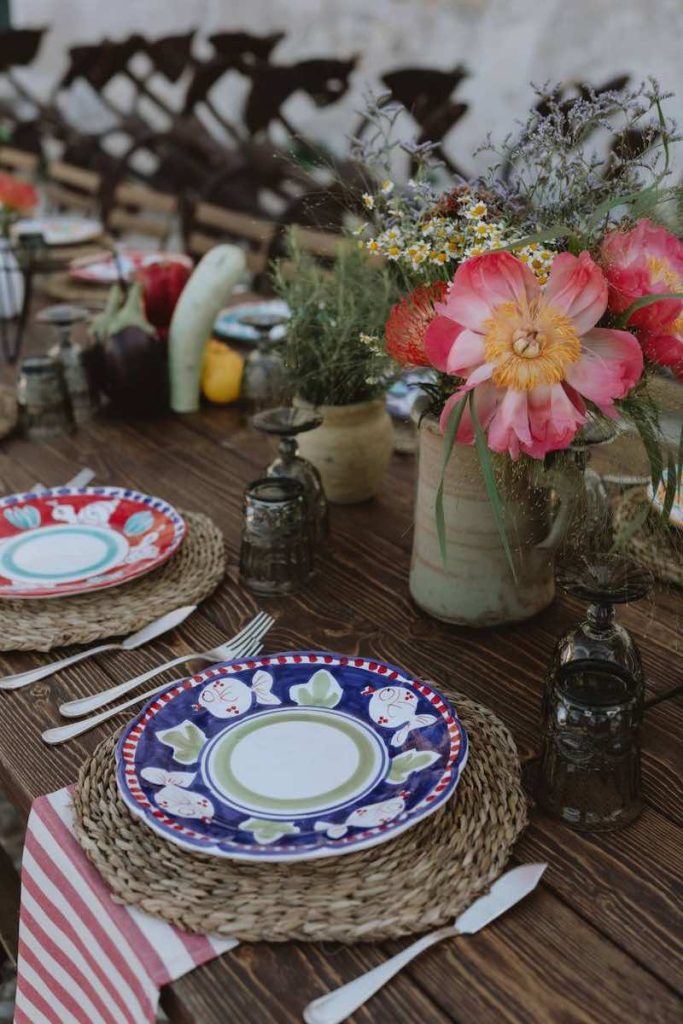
[
  {"x": 69, "y": 354},
  {"x": 590, "y": 765},
  {"x": 42, "y": 399},
  {"x": 276, "y": 553}
]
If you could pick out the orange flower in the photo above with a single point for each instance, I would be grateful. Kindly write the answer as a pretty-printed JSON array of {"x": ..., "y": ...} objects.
[
  {"x": 408, "y": 321},
  {"x": 16, "y": 195}
]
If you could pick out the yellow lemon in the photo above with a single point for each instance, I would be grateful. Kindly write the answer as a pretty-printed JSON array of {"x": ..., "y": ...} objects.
[{"x": 221, "y": 372}]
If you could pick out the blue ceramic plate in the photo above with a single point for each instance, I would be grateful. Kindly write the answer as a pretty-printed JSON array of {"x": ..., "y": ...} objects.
[
  {"x": 294, "y": 756},
  {"x": 228, "y": 326}
]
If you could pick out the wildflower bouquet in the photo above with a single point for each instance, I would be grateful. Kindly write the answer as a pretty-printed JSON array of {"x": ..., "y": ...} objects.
[{"x": 542, "y": 292}]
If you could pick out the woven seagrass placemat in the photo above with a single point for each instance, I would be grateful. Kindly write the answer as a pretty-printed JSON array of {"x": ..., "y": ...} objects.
[
  {"x": 422, "y": 878},
  {"x": 187, "y": 578},
  {"x": 657, "y": 547}
]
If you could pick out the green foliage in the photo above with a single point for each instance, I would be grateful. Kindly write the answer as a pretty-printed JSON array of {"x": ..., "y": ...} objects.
[
  {"x": 448, "y": 442},
  {"x": 334, "y": 351},
  {"x": 491, "y": 485}
]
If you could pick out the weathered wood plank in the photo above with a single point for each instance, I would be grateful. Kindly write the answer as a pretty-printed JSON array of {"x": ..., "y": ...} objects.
[{"x": 526, "y": 968}]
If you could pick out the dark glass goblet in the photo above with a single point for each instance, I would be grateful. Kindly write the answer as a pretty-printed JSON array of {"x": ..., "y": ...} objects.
[
  {"x": 286, "y": 423},
  {"x": 592, "y": 520},
  {"x": 604, "y": 581},
  {"x": 590, "y": 765}
]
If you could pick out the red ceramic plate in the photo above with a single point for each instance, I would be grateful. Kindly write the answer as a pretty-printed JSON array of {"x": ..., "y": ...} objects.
[
  {"x": 75, "y": 540},
  {"x": 104, "y": 269}
]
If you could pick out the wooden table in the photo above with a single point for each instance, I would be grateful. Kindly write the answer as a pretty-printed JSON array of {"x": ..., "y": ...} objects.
[{"x": 598, "y": 942}]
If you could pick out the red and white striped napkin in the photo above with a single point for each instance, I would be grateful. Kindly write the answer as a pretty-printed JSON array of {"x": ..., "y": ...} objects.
[{"x": 84, "y": 959}]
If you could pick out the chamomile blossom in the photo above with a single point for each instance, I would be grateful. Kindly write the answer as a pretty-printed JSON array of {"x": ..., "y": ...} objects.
[
  {"x": 368, "y": 201},
  {"x": 417, "y": 254},
  {"x": 475, "y": 212},
  {"x": 387, "y": 187},
  {"x": 390, "y": 236}
]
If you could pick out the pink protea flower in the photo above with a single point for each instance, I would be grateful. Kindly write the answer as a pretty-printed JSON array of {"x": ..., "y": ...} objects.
[
  {"x": 648, "y": 260},
  {"x": 530, "y": 354}
]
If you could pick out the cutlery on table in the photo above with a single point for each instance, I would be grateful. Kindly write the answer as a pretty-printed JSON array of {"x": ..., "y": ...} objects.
[
  {"x": 507, "y": 890},
  {"x": 60, "y": 733},
  {"x": 81, "y": 479},
  {"x": 235, "y": 648},
  {"x": 143, "y": 636}
]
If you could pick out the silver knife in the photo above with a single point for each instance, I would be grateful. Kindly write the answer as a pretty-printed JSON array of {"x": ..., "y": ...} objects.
[
  {"x": 168, "y": 621},
  {"x": 509, "y": 889}
]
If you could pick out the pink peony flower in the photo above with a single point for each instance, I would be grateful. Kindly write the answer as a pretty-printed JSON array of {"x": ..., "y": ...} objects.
[
  {"x": 530, "y": 354},
  {"x": 648, "y": 260}
]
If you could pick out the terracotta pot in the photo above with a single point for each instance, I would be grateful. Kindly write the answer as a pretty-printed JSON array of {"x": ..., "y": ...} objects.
[
  {"x": 476, "y": 586},
  {"x": 351, "y": 449}
]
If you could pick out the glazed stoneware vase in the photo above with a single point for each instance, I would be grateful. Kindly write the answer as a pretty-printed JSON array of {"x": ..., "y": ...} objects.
[
  {"x": 476, "y": 586},
  {"x": 350, "y": 449}
]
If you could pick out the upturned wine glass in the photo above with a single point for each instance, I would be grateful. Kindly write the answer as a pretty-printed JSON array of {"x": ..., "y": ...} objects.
[{"x": 286, "y": 423}]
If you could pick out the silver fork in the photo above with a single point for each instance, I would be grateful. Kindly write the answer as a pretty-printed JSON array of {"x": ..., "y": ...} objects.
[
  {"x": 237, "y": 647},
  {"x": 61, "y": 733}
]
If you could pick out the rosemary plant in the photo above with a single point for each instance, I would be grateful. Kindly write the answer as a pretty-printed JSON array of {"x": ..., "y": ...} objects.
[{"x": 334, "y": 352}]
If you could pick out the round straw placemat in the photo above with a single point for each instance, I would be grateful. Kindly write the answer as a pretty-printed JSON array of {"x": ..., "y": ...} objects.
[
  {"x": 422, "y": 878},
  {"x": 653, "y": 544},
  {"x": 187, "y": 578}
]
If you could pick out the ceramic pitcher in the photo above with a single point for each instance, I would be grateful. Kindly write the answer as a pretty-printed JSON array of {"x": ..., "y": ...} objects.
[{"x": 476, "y": 586}]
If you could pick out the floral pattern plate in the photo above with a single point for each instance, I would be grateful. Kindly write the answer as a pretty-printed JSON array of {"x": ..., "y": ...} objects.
[
  {"x": 69, "y": 540},
  {"x": 294, "y": 756},
  {"x": 105, "y": 269},
  {"x": 229, "y": 327}
]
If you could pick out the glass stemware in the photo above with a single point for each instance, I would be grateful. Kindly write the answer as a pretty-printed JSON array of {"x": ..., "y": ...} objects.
[
  {"x": 604, "y": 581},
  {"x": 590, "y": 765},
  {"x": 286, "y": 423},
  {"x": 264, "y": 380},
  {"x": 591, "y": 526}
]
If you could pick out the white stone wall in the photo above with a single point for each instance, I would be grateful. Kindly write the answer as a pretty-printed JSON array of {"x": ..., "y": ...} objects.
[{"x": 505, "y": 43}]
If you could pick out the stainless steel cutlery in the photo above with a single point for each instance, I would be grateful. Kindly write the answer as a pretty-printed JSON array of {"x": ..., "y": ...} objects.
[
  {"x": 507, "y": 890},
  {"x": 238, "y": 647},
  {"x": 60, "y": 733},
  {"x": 143, "y": 636}
]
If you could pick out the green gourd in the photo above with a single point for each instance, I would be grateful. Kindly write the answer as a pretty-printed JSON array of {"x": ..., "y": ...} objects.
[{"x": 205, "y": 294}]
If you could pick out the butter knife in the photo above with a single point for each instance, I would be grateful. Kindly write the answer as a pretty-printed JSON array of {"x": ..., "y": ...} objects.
[{"x": 507, "y": 890}]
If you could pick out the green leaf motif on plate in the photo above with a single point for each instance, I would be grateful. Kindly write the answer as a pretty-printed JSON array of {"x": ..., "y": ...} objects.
[
  {"x": 268, "y": 831},
  {"x": 186, "y": 739},
  {"x": 321, "y": 691},
  {"x": 26, "y": 518},
  {"x": 410, "y": 761}
]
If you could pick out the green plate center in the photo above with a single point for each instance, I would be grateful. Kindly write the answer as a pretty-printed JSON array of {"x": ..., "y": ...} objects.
[{"x": 291, "y": 763}]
